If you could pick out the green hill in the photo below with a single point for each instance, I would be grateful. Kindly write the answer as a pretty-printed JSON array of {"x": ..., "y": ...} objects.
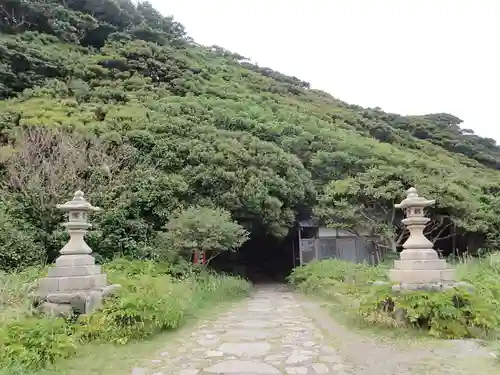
[{"x": 116, "y": 100}]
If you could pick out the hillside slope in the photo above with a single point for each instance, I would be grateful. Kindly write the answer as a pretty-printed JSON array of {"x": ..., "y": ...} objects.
[{"x": 116, "y": 100}]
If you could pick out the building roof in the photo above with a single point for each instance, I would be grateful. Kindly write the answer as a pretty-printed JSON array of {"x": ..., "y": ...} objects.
[{"x": 309, "y": 223}]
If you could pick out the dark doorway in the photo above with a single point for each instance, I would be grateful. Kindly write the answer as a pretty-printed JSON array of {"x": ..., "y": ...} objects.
[{"x": 262, "y": 259}]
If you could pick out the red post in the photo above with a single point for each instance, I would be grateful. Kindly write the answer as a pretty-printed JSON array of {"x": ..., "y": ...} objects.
[{"x": 199, "y": 257}]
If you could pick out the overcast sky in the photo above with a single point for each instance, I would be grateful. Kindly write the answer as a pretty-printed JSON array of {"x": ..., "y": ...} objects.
[{"x": 408, "y": 57}]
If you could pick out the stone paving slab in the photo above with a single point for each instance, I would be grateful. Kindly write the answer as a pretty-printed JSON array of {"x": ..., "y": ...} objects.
[{"x": 268, "y": 335}]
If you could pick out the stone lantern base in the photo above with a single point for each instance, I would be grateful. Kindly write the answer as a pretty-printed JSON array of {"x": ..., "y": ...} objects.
[
  {"x": 421, "y": 269},
  {"x": 75, "y": 285}
]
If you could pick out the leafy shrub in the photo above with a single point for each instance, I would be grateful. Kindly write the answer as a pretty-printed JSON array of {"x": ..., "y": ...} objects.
[
  {"x": 123, "y": 267},
  {"x": 317, "y": 275},
  {"x": 453, "y": 313},
  {"x": 147, "y": 305},
  {"x": 485, "y": 276},
  {"x": 128, "y": 268},
  {"x": 151, "y": 300},
  {"x": 36, "y": 342},
  {"x": 18, "y": 248}
]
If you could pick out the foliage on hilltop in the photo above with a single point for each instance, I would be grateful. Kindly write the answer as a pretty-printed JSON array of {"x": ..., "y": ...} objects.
[{"x": 115, "y": 99}]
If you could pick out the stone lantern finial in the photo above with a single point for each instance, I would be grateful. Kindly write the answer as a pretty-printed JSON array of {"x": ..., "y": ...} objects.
[{"x": 419, "y": 264}]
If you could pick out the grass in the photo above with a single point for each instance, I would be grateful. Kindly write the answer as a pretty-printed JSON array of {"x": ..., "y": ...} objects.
[
  {"x": 15, "y": 289},
  {"x": 100, "y": 359},
  {"x": 157, "y": 303},
  {"x": 485, "y": 276}
]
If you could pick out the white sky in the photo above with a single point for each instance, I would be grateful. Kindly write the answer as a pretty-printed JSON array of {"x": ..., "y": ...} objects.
[{"x": 405, "y": 56}]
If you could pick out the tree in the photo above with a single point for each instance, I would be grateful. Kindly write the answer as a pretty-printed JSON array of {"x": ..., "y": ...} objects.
[
  {"x": 201, "y": 229},
  {"x": 364, "y": 205}
]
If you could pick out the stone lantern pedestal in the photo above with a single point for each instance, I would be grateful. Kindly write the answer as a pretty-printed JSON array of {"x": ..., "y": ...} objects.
[
  {"x": 76, "y": 284},
  {"x": 419, "y": 266}
]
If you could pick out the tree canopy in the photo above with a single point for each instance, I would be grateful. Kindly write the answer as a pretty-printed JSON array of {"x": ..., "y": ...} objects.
[{"x": 113, "y": 98}]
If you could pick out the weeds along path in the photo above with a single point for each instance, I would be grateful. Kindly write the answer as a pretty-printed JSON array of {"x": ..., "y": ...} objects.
[{"x": 278, "y": 332}]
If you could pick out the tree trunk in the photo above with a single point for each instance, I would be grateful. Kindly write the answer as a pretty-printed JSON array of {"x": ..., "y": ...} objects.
[{"x": 393, "y": 244}]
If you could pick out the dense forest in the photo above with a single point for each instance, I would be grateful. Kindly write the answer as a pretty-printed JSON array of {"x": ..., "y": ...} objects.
[{"x": 111, "y": 97}]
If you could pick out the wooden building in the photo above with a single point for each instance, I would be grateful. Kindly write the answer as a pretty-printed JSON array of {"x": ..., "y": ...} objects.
[{"x": 317, "y": 243}]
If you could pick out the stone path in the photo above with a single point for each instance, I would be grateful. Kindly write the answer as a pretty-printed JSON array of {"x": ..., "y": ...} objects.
[
  {"x": 274, "y": 333},
  {"x": 267, "y": 335}
]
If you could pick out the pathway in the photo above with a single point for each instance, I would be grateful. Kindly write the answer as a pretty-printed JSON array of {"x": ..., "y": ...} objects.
[{"x": 274, "y": 333}]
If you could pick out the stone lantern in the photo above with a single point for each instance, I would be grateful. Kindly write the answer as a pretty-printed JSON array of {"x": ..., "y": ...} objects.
[
  {"x": 76, "y": 284},
  {"x": 419, "y": 266}
]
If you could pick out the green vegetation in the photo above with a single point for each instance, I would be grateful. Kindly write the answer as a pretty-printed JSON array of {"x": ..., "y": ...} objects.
[
  {"x": 202, "y": 229},
  {"x": 116, "y": 100},
  {"x": 156, "y": 297},
  {"x": 455, "y": 313},
  {"x": 178, "y": 142}
]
